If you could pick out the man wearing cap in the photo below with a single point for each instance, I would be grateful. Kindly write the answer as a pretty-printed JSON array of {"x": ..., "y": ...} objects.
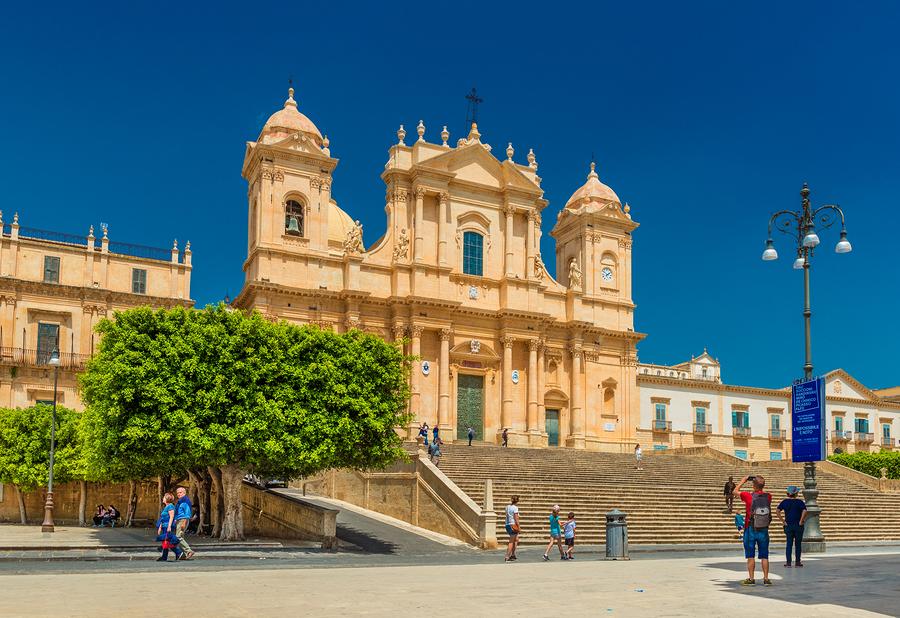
[{"x": 792, "y": 513}]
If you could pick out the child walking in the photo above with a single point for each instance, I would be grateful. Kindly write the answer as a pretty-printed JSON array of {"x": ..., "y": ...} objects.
[
  {"x": 569, "y": 533},
  {"x": 555, "y": 535}
]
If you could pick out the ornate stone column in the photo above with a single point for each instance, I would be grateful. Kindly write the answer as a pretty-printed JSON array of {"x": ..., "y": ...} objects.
[
  {"x": 541, "y": 378},
  {"x": 443, "y": 226},
  {"x": 508, "y": 242},
  {"x": 506, "y": 410},
  {"x": 420, "y": 240},
  {"x": 576, "y": 413},
  {"x": 532, "y": 417},
  {"x": 444, "y": 382},
  {"x": 415, "y": 399},
  {"x": 529, "y": 247}
]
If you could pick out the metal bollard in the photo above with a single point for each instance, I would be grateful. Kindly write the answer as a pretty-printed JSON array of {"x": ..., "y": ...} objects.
[{"x": 616, "y": 535}]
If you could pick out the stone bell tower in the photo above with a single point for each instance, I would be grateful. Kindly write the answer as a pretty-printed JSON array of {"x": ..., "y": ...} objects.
[{"x": 290, "y": 209}]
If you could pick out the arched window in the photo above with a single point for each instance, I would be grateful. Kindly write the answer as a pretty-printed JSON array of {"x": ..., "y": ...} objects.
[
  {"x": 473, "y": 254},
  {"x": 293, "y": 218}
]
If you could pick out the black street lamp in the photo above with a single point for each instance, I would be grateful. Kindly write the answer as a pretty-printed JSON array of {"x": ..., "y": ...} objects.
[
  {"x": 47, "y": 525},
  {"x": 802, "y": 227}
]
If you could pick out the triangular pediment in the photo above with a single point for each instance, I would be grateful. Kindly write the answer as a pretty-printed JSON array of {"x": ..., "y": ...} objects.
[
  {"x": 839, "y": 383},
  {"x": 474, "y": 164},
  {"x": 298, "y": 142}
]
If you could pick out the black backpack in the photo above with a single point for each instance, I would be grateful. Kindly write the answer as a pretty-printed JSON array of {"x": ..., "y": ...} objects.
[{"x": 761, "y": 511}]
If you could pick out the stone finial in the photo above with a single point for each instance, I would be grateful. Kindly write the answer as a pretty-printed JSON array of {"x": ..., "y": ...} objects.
[
  {"x": 593, "y": 172},
  {"x": 510, "y": 151},
  {"x": 474, "y": 135},
  {"x": 290, "y": 100},
  {"x": 15, "y": 218},
  {"x": 445, "y": 135},
  {"x": 187, "y": 247},
  {"x": 884, "y": 472},
  {"x": 627, "y": 210},
  {"x": 420, "y": 129},
  {"x": 91, "y": 232},
  {"x": 325, "y": 150},
  {"x": 175, "y": 245},
  {"x": 532, "y": 160},
  {"x": 105, "y": 229},
  {"x": 401, "y": 135},
  {"x": 1, "y": 217}
]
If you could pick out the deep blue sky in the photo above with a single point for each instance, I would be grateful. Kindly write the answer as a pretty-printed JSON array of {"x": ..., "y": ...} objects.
[{"x": 706, "y": 117}]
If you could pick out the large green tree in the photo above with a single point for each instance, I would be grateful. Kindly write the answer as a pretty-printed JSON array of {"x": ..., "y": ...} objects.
[
  {"x": 25, "y": 448},
  {"x": 181, "y": 389}
]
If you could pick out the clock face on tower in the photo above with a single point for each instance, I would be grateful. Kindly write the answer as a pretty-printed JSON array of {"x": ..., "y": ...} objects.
[{"x": 607, "y": 274}]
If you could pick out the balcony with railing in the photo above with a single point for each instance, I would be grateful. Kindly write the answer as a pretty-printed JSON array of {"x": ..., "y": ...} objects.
[
  {"x": 777, "y": 434},
  {"x": 22, "y": 357},
  {"x": 73, "y": 240},
  {"x": 662, "y": 426},
  {"x": 841, "y": 436},
  {"x": 740, "y": 432},
  {"x": 887, "y": 442},
  {"x": 702, "y": 428},
  {"x": 865, "y": 438}
]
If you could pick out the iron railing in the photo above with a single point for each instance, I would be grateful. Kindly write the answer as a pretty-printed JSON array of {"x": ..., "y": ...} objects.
[
  {"x": 740, "y": 432},
  {"x": 662, "y": 425},
  {"x": 40, "y": 358},
  {"x": 887, "y": 441},
  {"x": 777, "y": 434},
  {"x": 841, "y": 436},
  {"x": 702, "y": 428},
  {"x": 59, "y": 237},
  {"x": 141, "y": 251},
  {"x": 864, "y": 437}
]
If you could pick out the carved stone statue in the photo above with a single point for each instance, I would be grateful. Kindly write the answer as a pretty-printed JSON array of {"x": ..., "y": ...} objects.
[
  {"x": 354, "y": 242},
  {"x": 539, "y": 268},
  {"x": 401, "y": 249},
  {"x": 574, "y": 274}
]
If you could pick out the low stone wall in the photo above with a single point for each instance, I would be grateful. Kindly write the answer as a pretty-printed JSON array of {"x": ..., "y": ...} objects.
[
  {"x": 272, "y": 514},
  {"x": 415, "y": 492},
  {"x": 67, "y": 496},
  {"x": 878, "y": 484}
]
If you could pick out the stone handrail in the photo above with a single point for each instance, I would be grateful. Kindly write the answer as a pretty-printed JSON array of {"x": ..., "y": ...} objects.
[
  {"x": 878, "y": 484},
  {"x": 271, "y": 513}
]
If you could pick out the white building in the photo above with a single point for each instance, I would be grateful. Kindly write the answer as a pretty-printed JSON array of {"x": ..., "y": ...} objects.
[{"x": 688, "y": 404}]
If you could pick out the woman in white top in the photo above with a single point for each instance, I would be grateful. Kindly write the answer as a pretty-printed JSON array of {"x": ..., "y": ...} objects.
[
  {"x": 512, "y": 528},
  {"x": 638, "y": 457}
]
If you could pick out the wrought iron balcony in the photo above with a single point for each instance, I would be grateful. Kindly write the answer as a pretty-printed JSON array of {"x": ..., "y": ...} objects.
[
  {"x": 662, "y": 425},
  {"x": 22, "y": 357},
  {"x": 704, "y": 428},
  {"x": 777, "y": 434},
  {"x": 887, "y": 441},
  {"x": 841, "y": 436},
  {"x": 865, "y": 438},
  {"x": 741, "y": 432}
]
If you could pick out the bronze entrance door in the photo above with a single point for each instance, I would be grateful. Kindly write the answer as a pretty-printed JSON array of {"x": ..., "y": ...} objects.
[{"x": 469, "y": 406}]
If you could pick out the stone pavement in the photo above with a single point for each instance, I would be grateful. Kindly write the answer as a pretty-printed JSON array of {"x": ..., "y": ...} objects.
[{"x": 839, "y": 586}]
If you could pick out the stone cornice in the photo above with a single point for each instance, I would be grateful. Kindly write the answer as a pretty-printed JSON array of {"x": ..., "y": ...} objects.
[{"x": 10, "y": 286}]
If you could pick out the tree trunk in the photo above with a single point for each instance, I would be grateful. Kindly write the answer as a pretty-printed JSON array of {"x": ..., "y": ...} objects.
[
  {"x": 206, "y": 501},
  {"x": 21, "y": 500},
  {"x": 132, "y": 503},
  {"x": 82, "y": 502},
  {"x": 160, "y": 489},
  {"x": 232, "y": 487},
  {"x": 199, "y": 489},
  {"x": 219, "y": 508}
]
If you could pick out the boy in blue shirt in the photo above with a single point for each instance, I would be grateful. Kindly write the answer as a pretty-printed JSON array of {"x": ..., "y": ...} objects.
[
  {"x": 792, "y": 513},
  {"x": 555, "y": 535},
  {"x": 569, "y": 536}
]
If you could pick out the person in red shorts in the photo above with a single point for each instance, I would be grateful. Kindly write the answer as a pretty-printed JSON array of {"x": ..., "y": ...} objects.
[{"x": 756, "y": 528}]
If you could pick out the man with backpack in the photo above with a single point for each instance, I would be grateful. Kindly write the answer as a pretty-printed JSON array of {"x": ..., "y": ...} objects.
[{"x": 756, "y": 531}]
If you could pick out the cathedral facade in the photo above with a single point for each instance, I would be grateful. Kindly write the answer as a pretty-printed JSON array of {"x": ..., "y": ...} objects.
[{"x": 458, "y": 277}]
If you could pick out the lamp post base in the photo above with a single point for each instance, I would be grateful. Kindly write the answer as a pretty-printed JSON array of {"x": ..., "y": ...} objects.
[
  {"x": 813, "y": 539},
  {"x": 47, "y": 525}
]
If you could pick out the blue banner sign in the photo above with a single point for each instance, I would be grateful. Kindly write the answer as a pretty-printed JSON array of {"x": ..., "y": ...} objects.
[{"x": 808, "y": 420}]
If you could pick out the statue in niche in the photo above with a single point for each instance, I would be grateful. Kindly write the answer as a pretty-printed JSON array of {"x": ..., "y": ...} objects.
[
  {"x": 401, "y": 249},
  {"x": 574, "y": 274},
  {"x": 354, "y": 242}
]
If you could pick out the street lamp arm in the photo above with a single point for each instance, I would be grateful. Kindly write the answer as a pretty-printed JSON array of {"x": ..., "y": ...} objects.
[
  {"x": 827, "y": 215},
  {"x": 783, "y": 221}
]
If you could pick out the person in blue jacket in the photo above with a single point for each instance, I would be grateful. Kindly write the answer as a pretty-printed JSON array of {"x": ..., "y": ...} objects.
[
  {"x": 164, "y": 526},
  {"x": 183, "y": 515}
]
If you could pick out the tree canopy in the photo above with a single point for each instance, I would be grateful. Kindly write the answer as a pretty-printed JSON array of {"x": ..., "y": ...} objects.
[
  {"x": 25, "y": 446},
  {"x": 173, "y": 390}
]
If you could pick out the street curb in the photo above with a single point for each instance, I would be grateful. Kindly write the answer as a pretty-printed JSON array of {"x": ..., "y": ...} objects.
[{"x": 203, "y": 546}]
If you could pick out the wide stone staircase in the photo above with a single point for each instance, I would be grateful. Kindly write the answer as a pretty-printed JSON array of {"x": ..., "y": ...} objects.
[{"x": 674, "y": 499}]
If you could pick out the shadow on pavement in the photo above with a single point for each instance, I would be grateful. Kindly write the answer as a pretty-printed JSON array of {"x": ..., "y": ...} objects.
[
  {"x": 860, "y": 582},
  {"x": 366, "y": 542}
]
